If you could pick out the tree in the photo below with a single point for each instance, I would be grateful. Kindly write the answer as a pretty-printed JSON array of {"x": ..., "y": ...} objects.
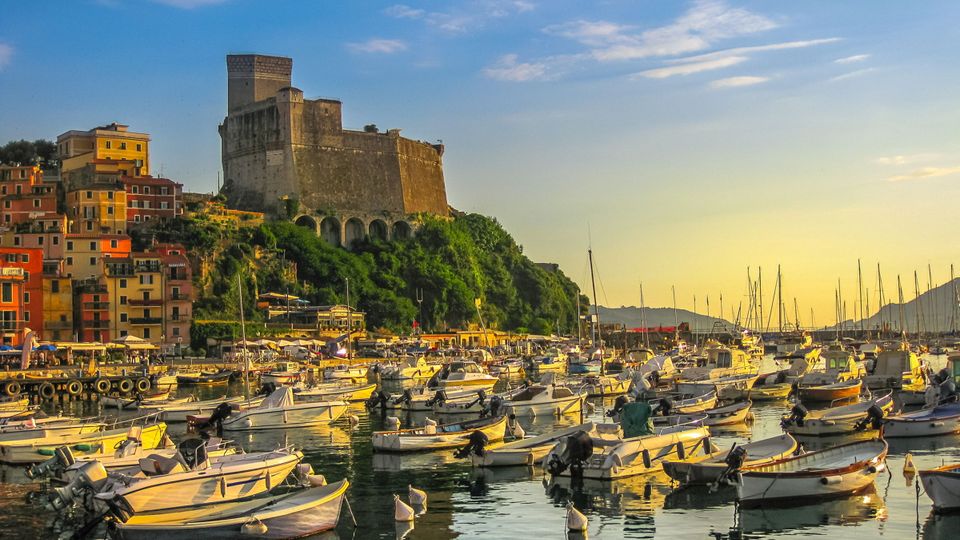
[{"x": 26, "y": 152}]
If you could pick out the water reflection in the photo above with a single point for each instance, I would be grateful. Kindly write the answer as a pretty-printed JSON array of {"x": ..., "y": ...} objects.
[{"x": 866, "y": 506}]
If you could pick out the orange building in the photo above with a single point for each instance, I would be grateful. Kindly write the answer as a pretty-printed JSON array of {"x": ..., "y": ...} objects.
[
  {"x": 111, "y": 142},
  {"x": 91, "y": 310},
  {"x": 21, "y": 297}
]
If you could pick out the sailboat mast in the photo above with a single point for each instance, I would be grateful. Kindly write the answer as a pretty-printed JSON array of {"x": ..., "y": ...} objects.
[
  {"x": 579, "y": 332},
  {"x": 779, "y": 300},
  {"x": 903, "y": 324},
  {"x": 596, "y": 307},
  {"x": 883, "y": 322},
  {"x": 916, "y": 307},
  {"x": 676, "y": 321},
  {"x": 796, "y": 312},
  {"x": 243, "y": 335},
  {"x": 643, "y": 320},
  {"x": 760, "y": 298},
  {"x": 350, "y": 326},
  {"x": 860, "y": 293},
  {"x": 955, "y": 303}
]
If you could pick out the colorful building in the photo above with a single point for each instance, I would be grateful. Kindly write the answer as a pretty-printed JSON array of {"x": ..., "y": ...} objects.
[
  {"x": 57, "y": 302},
  {"x": 152, "y": 199},
  {"x": 97, "y": 209},
  {"x": 25, "y": 195},
  {"x": 135, "y": 284},
  {"x": 91, "y": 310},
  {"x": 85, "y": 253},
  {"x": 29, "y": 305},
  {"x": 177, "y": 296},
  {"x": 111, "y": 142}
]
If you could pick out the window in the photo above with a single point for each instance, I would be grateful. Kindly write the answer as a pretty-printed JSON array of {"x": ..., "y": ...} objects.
[
  {"x": 123, "y": 284},
  {"x": 123, "y": 333},
  {"x": 36, "y": 203},
  {"x": 110, "y": 195},
  {"x": 113, "y": 244},
  {"x": 26, "y": 276},
  {"x": 146, "y": 333},
  {"x": 146, "y": 190},
  {"x": 136, "y": 218},
  {"x": 106, "y": 144},
  {"x": 69, "y": 245},
  {"x": 26, "y": 298},
  {"x": 7, "y": 293},
  {"x": 136, "y": 189},
  {"x": 123, "y": 146},
  {"x": 19, "y": 189},
  {"x": 63, "y": 318},
  {"x": 69, "y": 261},
  {"x": 139, "y": 147},
  {"x": 55, "y": 285},
  {"x": 109, "y": 210},
  {"x": 6, "y": 218},
  {"x": 89, "y": 225},
  {"x": 6, "y": 204},
  {"x": 163, "y": 190},
  {"x": 26, "y": 316},
  {"x": 25, "y": 257},
  {"x": 146, "y": 314},
  {"x": 3, "y": 190},
  {"x": 16, "y": 240},
  {"x": 175, "y": 291},
  {"x": 89, "y": 194},
  {"x": 123, "y": 317},
  {"x": 146, "y": 204},
  {"x": 56, "y": 240},
  {"x": 40, "y": 240},
  {"x": 146, "y": 218},
  {"x": 93, "y": 246},
  {"x": 176, "y": 331},
  {"x": 123, "y": 299},
  {"x": 163, "y": 205},
  {"x": 93, "y": 261}
]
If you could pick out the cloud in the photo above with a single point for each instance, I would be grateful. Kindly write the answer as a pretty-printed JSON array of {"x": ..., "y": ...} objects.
[
  {"x": 906, "y": 159},
  {"x": 189, "y": 4},
  {"x": 737, "y": 51},
  {"x": 401, "y": 11},
  {"x": 926, "y": 172},
  {"x": 851, "y": 75},
  {"x": 852, "y": 59},
  {"x": 735, "y": 82},
  {"x": 463, "y": 18},
  {"x": 6, "y": 55},
  {"x": 704, "y": 23},
  {"x": 691, "y": 67},
  {"x": 379, "y": 46},
  {"x": 508, "y": 68}
]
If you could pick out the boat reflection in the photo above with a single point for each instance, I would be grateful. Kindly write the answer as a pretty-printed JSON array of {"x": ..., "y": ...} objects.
[
  {"x": 307, "y": 438},
  {"x": 865, "y": 506},
  {"x": 813, "y": 444},
  {"x": 498, "y": 475},
  {"x": 384, "y": 461},
  {"x": 643, "y": 494},
  {"x": 941, "y": 526},
  {"x": 699, "y": 497}
]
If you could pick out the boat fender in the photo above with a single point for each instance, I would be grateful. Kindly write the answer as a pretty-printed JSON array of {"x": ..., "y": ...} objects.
[
  {"x": 102, "y": 386},
  {"x": 74, "y": 387},
  {"x": 681, "y": 451},
  {"x": 831, "y": 480},
  {"x": 879, "y": 467},
  {"x": 125, "y": 385},
  {"x": 47, "y": 391},
  {"x": 908, "y": 466},
  {"x": 576, "y": 521},
  {"x": 11, "y": 388},
  {"x": 223, "y": 486},
  {"x": 402, "y": 512},
  {"x": 647, "y": 462},
  {"x": 143, "y": 384},
  {"x": 253, "y": 528}
]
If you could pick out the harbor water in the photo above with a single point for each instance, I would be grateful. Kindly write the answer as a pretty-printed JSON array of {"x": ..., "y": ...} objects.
[{"x": 524, "y": 503}]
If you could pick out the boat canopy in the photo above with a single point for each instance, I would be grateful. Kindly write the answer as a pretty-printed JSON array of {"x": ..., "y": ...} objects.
[
  {"x": 896, "y": 363},
  {"x": 281, "y": 397}
]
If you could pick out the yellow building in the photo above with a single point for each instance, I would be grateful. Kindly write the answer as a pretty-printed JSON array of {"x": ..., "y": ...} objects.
[
  {"x": 57, "y": 303},
  {"x": 85, "y": 254},
  {"x": 135, "y": 288},
  {"x": 98, "y": 209},
  {"x": 110, "y": 142}
]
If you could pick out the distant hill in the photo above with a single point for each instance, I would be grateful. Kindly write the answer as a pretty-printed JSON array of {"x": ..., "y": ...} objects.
[
  {"x": 935, "y": 308},
  {"x": 634, "y": 317}
]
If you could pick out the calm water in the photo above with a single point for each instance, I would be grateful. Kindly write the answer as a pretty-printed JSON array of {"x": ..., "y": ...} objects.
[{"x": 522, "y": 503}]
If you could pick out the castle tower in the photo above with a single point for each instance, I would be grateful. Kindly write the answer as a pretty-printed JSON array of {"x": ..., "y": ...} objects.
[{"x": 253, "y": 77}]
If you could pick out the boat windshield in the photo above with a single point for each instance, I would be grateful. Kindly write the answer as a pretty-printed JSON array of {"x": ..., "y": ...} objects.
[{"x": 724, "y": 359}]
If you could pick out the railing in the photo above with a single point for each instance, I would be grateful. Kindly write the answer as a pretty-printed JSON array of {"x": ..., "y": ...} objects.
[
  {"x": 180, "y": 296},
  {"x": 145, "y": 320},
  {"x": 96, "y": 325},
  {"x": 142, "y": 302},
  {"x": 96, "y": 305}
]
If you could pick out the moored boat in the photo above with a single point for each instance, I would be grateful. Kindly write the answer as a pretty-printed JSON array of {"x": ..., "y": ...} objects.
[
  {"x": 205, "y": 379},
  {"x": 544, "y": 400},
  {"x": 943, "y": 486},
  {"x": 528, "y": 451},
  {"x": 838, "y": 391},
  {"x": 437, "y": 436},
  {"x": 940, "y": 420},
  {"x": 728, "y": 415},
  {"x": 42, "y": 447},
  {"x": 713, "y": 467},
  {"x": 335, "y": 391},
  {"x": 605, "y": 386},
  {"x": 838, "y": 420},
  {"x": 462, "y": 373},
  {"x": 278, "y": 410}
]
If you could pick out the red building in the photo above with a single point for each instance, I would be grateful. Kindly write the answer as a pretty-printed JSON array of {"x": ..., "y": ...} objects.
[
  {"x": 21, "y": 292},
  {"x": 150, "y": 198},
  {"x": 26, "y": 197},
  {"x": 91, "y": 310},
  {"x": 177, "y": 296}
]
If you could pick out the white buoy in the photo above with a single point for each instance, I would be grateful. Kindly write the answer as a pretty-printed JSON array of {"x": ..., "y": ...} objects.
[
  {"x": 401, "y": 510},
  {"x": 354, "y": 420},
  {"x": 393, "y": 423},
  {"x": 253, "y": 528},
  {"x": 575, "y": 520},
  {"x": 908, "y": 466},
  {"x": 417, "y": 497}
]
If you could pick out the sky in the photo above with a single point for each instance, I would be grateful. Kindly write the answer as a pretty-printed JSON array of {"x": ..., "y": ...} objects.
[{"x": 684, "y": 141}]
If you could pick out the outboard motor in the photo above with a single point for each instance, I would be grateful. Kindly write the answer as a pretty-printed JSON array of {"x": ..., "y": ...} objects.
[
  {"x": 577, "y": 449},
  {"x": 62, "y": 458},
  {"x": 217, "y": 417},
  {"x": 797, "y": 414},
  {"x": 379, "y": 399},
  {"x": 407, "y": 397},
  {"x": 664, "y": 407},
  {"x": 874, "y": 418},
  {"x": 496, "y": 406},
  {"x": 193, "y": 451},
  {"x": 781, "y": 377},
  {"x": 655, "y": 378},
  {"x": 948, "y": 391},
  {"x": 734, "y": 460},
  {"x": 481, "y": 396},
  {"x": 438, "y": 399},
  {"x": 267, "y": 388},
  {"x": 91, "y": 476},
  {"x": 475, "y": 443},
  {"x": 618, "y": 405}
]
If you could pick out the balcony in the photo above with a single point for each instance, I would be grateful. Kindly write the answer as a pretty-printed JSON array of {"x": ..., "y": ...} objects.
[
  {"x": 96, "y": 306},
  {"x": 179, "y": 296},
  {"x": 119, "y": 270},
  {"x": 142, "y": 302},
  {"x": 57, "y": 325},
  {"x": 180, "y": 317},
  {"x": 95, "y": 325},
  {"x": 147, "y": 268},
  {"x": 142, "y": 321},
  {"x": 11, "y": 326},
  {"x": 177, "y": 276}
]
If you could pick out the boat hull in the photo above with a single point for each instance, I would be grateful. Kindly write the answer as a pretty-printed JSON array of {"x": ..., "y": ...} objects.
[
  {"x": 302, "y": 415},
  {"x": 418, "y": 439},
  {"x": 918, "y": 426},
  {"x": 552, "y": 407},
  {"x": 755, "y": 490},
  {"x": 943, "y": 486},
  {"x": 87, "y": 444}
]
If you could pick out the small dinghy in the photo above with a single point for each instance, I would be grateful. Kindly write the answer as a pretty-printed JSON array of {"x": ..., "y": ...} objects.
[
  {"x": 685, "y": 404},
  {"x": 278, "y": 411},
  {"x": 347, "y": 373},
  {"x": 728, "y": 415},
  {"x": 696, "y": 419},
  {"x": 825, "y": 393},
  {"x": 178, "y": 412},
  {"x": 716, "y": 466},
  {"x": 298, "y": 514},
  {"x": 943, "y": 486},
  {"x": 838, "y": 420},
  {"x": 437, "y": 436},
  {"x": 131, "y": 403},
  {"x": 205, "y": 379},
  {"x": 335, "y": 391},
  {"x": 838, "y": 471},
  {"x": 36, "y": 446},
  {"x": 603, "y": 386},
  {"x": 529, "y": 451},
  {"x": 940, "y": 420},
  {"x": 479, "y": 405},
  {"x": 544, "y": 400}
]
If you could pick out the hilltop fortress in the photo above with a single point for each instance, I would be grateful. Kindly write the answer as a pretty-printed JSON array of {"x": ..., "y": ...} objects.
[{"x": 290, "y": 157}]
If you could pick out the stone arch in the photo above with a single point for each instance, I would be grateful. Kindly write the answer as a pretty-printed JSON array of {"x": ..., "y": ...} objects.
[
  {"x": 401, "y": 230},
  {"x": 307, "y": 221},
  {"x": 353, "y": 231},
  {"x": 378, "y": 230},
  {"x": 330, "y": 230}
]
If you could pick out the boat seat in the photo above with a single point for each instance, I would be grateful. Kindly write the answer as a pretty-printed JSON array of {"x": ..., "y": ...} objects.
[{"x": 155, "y": 464}]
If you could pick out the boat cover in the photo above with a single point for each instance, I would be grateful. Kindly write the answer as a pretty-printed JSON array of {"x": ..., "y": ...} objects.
[
  {"x": 281, "y": 397},
  {"x": 635, "y": 419}
]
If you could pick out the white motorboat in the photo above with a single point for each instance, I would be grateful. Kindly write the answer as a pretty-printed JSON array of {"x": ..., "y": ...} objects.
[
  {"x": 345, "y": 372},
  {"x": 899, "y": 369},
  {"x": 544, "y": 400},
  {"x": 178, "y": 412},
  {"x": 528, "y": 451},
  {"x": 713, "y": 467},
  {"x": 411, "y": 369},
  {"x": 606, "y": 386},
  {"x": 838, "y": 420},
  {"x": 685, "y": 404},
  {"x": 727, "y": 415},
  {"x": 48, "y": 427},
  {"x": 943, "y": 486},
  {"x": 462, "y": 373},
  {"x": 436, "y": 436},
  {"x": 284, "y": 373},
  {"x": 940, "y": 420},
  {"x": 335, "y": 392},
  {"x": 420, "y": 399},
  {"x": 552, "y": 360},
  {"x": 278, "y": 411},
  {"x": 720, "y": 362},
  {"x": 840, "y": 470},
  {"x": 43, "y": 445},
  {"x": 606, "y": 455}
]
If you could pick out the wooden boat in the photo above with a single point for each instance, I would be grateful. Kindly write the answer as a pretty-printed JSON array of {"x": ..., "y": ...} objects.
[
  {"x": 205, "y": 379},
  {"x": 413, "y": 368},
  {"x": 14, "y": 405},
  {"x": 528, "y": 451},
  {"x": 480, "y": 404},
  {"x": 685, "y": 404},
  {"x": 720, "y": 362},
  {"x": 552, "y": 360},
  {"x": 290, "y": 515},
  {"x": 943, "y": 486},
  {"x": 285, "y": 373},
  {"x": 178, "y": 412},
  {"x": 606, "y": 455},
  {"x": 848, "y": 389},
  {"x": 335, "y": 392},
  {"x": 506, "y": 369},
  {"x": 837, "y": 471},
  {"x": 603, "y": 386},
  {"x": 712, "y": 467},
  {"x": 900, "y": 369},
  {"x": 433, "y": 437},
  {"x": 462, "y": 373},
  {"x": 584, "y": 366},
  {"x": 940, "y": 420},
  {"x": 834, "y": 366},
  {"x": 115, "y": 401},
  {"x": 728, "y": 415},
  {"x": 837, "y": 420},
  {"x": 770, "y": 392},
  {"x": 695, "y": 419},
  {"x": 544, "y": 400},
  {"x": 32, "y": 427},
  {"x": 229, "y": 478},
  {"x": 421, "y": 399},
  {"x": 278, "y": 411},
  {"x": 42, "y": 447},
  {"x": 346, "y": 373}
]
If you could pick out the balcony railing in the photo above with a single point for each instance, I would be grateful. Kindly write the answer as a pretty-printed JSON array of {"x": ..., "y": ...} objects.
[
  {"x": 96, "y": 325},
  {"x": 142, "y": 302},
  {"x": 179, "y": 296},
  {"x": 145, "y": 320},
  {"x": 96, "y": 305}
]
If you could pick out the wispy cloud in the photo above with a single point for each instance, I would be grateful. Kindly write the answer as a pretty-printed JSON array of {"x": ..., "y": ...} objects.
[
  {"x": 739, "y": 51},
  {"x": 852, "y": 74},
  {"x": 925, "y": 173},
  {"x": 378, "y": 46},
  {"x": 507, "y": 68},
  {"x": 898, "y": 160},
  {"x": 464, "y": 18},
  {"x": 189, "y": 4},
  {"x": 691, "y": 67},
  {"x": 735, "y": 82},
  {"x": 6, "y": 55},
  {"x": 704, "y": 23},
  {"x": 852, "y": 59}
]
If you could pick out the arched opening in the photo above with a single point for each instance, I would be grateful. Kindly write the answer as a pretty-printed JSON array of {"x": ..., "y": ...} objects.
[
  {"x": 401, "y": 230},
  {"x": 354, "y": 231},
  {"x": 308, "y": 222},
  {"x": 330, "y": 230},
  {"x": 378, "y": 230}
]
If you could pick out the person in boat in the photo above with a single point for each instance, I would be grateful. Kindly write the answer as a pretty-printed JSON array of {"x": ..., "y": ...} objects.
[{"x": 636, "y": 418}]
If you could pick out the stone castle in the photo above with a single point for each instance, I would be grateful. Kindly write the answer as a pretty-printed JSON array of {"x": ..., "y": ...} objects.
[{"x": 290, "y": 157}]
